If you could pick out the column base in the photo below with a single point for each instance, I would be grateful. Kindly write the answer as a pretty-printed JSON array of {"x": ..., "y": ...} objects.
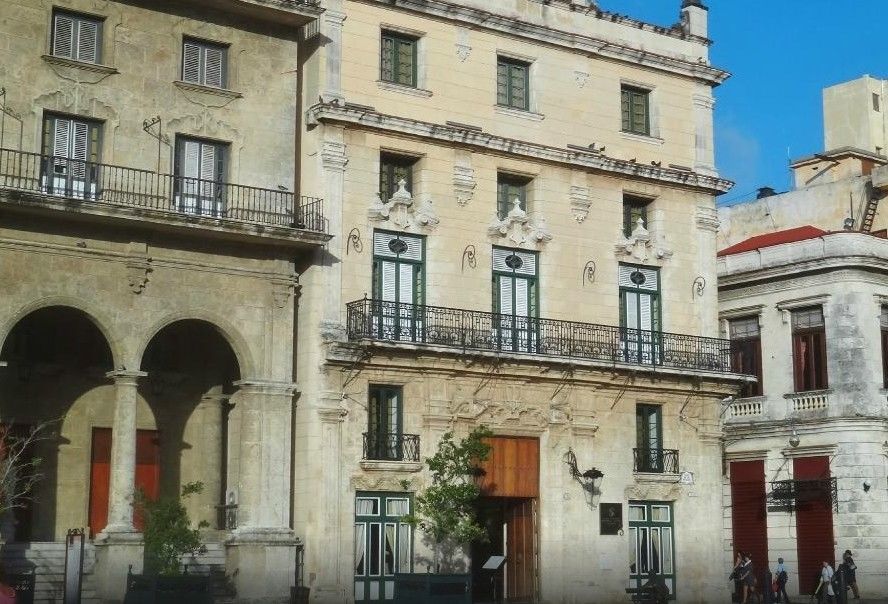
[
  {"x": 116, "y": 552},
  {"x": 262, "y": 563}
]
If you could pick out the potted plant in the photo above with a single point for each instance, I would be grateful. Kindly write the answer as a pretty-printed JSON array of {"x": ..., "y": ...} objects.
[
  {"x": 445, "y": 511},
  {"x": 168, "y": 536}
]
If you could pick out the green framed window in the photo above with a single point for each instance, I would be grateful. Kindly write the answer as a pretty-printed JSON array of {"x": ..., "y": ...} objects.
[
  {"x": 385, "y": 425},
  {"x": 512, "y": 83},
  {"x": 515, "y": 298},
  {"x": 649, "y": 438},
  {"x": 394, "y": 168},
  {"x": 398, "y": 61},
  {"x": 383, "y": 543},
  {"x": 636, "y": 110},
  {"x": 633, "y": 209},
  {"x": 640, "y": 320},
  {"x": 652, "y": 543},
  {"x": 398, "y": 285},
  {"x": 508, "y": 187},
  {"x": 72, "y": 148}
]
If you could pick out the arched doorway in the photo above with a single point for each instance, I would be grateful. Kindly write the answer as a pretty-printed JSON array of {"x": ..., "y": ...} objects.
[
  {"x": 56, "y": 361},
  {"x": 191, "y": 371}
]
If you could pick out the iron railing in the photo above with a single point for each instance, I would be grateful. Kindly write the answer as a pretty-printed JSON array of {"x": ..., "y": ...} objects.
[
  {"x": 655, "y": 461},
  {"x": 108, "y": 185},
  {"x": 485, "y": 331},
  {"x": 793, "y": 493},
  {"x": 391, "y": 446}
]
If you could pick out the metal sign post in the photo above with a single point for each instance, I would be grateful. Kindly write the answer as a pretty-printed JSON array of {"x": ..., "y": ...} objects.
[{"x": 73, "y": 565}]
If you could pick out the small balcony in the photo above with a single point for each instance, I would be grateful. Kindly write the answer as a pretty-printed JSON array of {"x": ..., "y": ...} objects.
[
  {"x": 655, "y": 461},
  {"x": 380, "y": 321},
  {"x": 39, "y": 181},
  {"x": 391, "y": 446}
]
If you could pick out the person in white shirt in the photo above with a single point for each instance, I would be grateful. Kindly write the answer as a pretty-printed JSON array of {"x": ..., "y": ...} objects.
[
  {"x": 781, "y": 576},
  {"x": 826, "y": 589}
]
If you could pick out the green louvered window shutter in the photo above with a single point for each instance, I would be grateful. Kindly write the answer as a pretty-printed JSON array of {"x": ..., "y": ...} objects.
[
  {"x": 512, "y": 83},
  {"x": 398, "y": 61},
  {"x": 636, "y": 110}
]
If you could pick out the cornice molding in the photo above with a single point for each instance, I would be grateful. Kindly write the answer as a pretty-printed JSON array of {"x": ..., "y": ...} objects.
[
  {"x": 590, "y": 45},
  {"x": 368, "y": 117}
]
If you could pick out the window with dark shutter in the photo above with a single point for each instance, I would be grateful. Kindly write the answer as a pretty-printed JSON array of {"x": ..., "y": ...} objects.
[
  {"x": 633, "y": 209},
  {"x": 398, "y": 60},
  {"x": 508, "y": 188},
  {"x": 636, "y": 110},
  {"x": 746, "y": 353},
  {"x": 204, "y": 63},
  {"x": 512, "y": 83},
  {"x": 394, "y": 168},
  {"x": 77, "y": 37},
  {"x": 809, "y": 349},
  {"x": 71, "y": 147}
]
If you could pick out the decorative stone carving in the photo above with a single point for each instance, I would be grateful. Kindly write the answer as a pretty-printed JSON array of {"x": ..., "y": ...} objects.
[
  {"x": 581, "y": 77},
  {"x": 654, "y": 491},
  {"x": 462, "y": 52},
  {"x": 137, "y": 270},
  {"x": 362, "y": 482},
  {"x": 707, "y": 218},
  {"x": 402, "y": 212},
  {"x": 333, "y": 156},
  {"x": 641, "y": 245},
  {"x": 580, "y": 203},
  {"x": 463, "y": 184},
  {"x": 518, "y": 228},
  {"x": 283, "y": 288}
]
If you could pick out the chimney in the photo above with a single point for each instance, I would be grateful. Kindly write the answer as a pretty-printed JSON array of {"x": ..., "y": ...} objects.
[
  {"x": 765, "y": 192},
  {"x": 695, "y": 17}
]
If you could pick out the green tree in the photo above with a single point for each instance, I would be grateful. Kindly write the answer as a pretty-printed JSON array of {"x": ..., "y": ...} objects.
[
  {"x": 19, "y": 463},
  {"x": 445, "y": 510},
  {"x": 168, "y": 533}
]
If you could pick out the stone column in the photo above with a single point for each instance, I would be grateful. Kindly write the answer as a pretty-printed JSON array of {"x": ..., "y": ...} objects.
[
  {"x": 119, "y": 546},
  {"x": 211, "y": 416},
  {"x": 705, "y": 291},
  {"x": 262, "y": 550},
  {"x": 331, "y": 26}
]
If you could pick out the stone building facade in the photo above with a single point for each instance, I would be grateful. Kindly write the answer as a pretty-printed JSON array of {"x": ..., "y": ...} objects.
[
  {"x": 523, "y": 208},
  {"x": 150, "y": 216}
]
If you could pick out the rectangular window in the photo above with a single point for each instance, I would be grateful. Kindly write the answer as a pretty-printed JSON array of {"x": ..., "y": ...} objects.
[
  {"x": 384, "y": 429},
  {"x": 204, "y": 63},
  {"x": 876, "y": 104},
  {"x": 398, "y": 286},
  {"x": 883, "y": 321},
  {"x": 649, "y": 438},
  {"x": 809, "y": 349},
  {"x": 199, "y": 176},
  {"x": 393, "y": 169},
  {"x": 640, "y": 313},
  {"x": 651, "y": 543},
  {"x": 398, "y": 61},
  {"x": 77, "y": 37},
  {"x": 383, "y": 545},
  {"x": 636, "y": 110},
  {"x": 71, "y": 148},
  {"x": 512, "y": 83},
  {"x": 510, "y": 187},
  {"x": 634, "y": 208},
  {"x": 746, "y": 353},
  {"x": 515, "y": 299}
]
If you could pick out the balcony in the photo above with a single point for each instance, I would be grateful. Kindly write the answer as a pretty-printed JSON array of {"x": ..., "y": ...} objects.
[
  {"x": 284, "y": 12},
  {"x": 391, "y": 446},
  {"x": 793, "y": 494},
  {"x": 44, "y": 181},
  {"x": 655, "y": 461},
  {"x": 380, "y": 321}
]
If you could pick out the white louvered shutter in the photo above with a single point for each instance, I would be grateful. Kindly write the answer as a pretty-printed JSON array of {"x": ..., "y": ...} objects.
[
  {"x": 79, "y": 149},
  {"x": 63, "y": 37},
  {"x": 522, "y": 293},
  {"x": 213, "y": 67},
  {"x": 388, "y": 284},
  {"x": 88, "y": 41},
  {"x": 406, "y": 285},
  {"x": 61, "y": 137},
  {"x": 506, "y": 299},
  {"x": 631, "y": 310},
  {"x": 191, "y": 56},
  {"x": 646, "y": 314}
]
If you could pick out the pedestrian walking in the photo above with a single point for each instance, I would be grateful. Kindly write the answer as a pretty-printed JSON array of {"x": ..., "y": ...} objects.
[
  {"x": 827, "y": 593},
  {"x": 850, "y": 573},
  {"x": 781, "y": 577},
  {"x": 735, "y": 577},
  {"x": 747, "y": 579}
]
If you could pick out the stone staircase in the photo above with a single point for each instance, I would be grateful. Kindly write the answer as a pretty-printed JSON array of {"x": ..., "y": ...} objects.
[{"x": 47, "y": 562}]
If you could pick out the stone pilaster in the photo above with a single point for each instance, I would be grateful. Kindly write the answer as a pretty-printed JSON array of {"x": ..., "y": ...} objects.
[
  {"x": 333, "y": 161},
  {"x": 332, "y": 23},
  {"x": 704, "y": 132},
  {"x": 211, "y": 411},
  {"x": 704, "y": 285}
]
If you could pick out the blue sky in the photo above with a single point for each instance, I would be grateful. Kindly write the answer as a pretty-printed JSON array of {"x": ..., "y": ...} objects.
[{"x": 781, "y": 53}]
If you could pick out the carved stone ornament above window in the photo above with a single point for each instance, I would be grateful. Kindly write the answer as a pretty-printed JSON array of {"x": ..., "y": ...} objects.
[
  {"x": 463, "y": 184},
  {"x": 402, "y": 212},
  {"x": 641, "y": 245},
  {"x": 519, "y": 228}
]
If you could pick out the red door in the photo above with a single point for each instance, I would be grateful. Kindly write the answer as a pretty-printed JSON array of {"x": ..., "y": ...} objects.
[
  {"x": 147, "y": 474},
  {"x": 748, "y": 511},
  {"x": 814, "y": 521}
]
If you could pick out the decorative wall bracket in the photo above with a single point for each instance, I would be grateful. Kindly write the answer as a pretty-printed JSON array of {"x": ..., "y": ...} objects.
[
  {"x": 518, "y": 228},
  {"x": 284, "y": 287},
  {"x": 699, "y": 287},
  {"x": 463, "y": 184},
  {"x": 354, "y": 241},
  {"x": 580, "y": 203},
  {"x": 641, "y": 244},
  {"x": 589, "y": 273},
  {"x": 137, "y": 270},
  {"x": 468, "y": 257},
  {"x": 402, "y": 212}
]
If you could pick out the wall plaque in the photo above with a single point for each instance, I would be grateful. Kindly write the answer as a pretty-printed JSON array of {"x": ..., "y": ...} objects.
[{"x": 611, "y": 518}]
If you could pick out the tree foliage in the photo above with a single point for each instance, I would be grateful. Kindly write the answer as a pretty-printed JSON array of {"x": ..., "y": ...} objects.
[
  {"x": 168, "y": 532},
  {"x": 19, "y": 464},
  {"x": 445, "y": 510}
]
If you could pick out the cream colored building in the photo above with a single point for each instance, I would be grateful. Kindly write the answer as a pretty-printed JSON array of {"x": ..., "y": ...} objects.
[
  {"x": 551, "y": 163},
  {"x": 802, "y": 293},
  {"x": 150, "y": 215}
]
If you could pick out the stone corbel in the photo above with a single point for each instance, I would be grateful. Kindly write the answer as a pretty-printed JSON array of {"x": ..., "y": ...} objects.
[
  {"x": 332, "y": 415},
  {"x": 640, "y": 245},
  {"x": 138, "y": 266},
  {"x": 580, "y": 203},
  {"x": 333, "y": 156},
  {"x": 402, "y": 212},
  {"x": 284, "y": 287},
  {"x": 707, "y": 219},
  {"x": 463, "y": 184},
  {"x": 518, "y": 228}
]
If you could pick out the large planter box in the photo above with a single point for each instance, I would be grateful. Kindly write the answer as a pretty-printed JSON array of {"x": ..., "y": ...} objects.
[
  {"x": 190, "y": 589},
  {"x": 426, "y": 588}
]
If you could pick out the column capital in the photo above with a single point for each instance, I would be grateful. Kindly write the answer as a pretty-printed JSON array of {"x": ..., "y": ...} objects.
[
  {"x": 270, "y": 387},
  {"x": 123, "y": 376}
]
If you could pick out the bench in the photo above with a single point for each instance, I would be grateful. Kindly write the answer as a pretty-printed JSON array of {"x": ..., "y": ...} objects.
[{"x": 644, "y": 595}]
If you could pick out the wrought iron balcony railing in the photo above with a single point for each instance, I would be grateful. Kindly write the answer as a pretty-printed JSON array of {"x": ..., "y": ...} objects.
[
  {"x": 795, "y": 493},
  {"x": 486, "y": 331},
  {"x": 655, "y": 461},
  {"x": 391, "y": 446},
  {"x": 116, "y": 186}
]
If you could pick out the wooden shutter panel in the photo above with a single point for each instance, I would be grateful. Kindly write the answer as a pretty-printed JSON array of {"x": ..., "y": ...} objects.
[
  {"x": 502, "y": 84},
  {"x": 626, "y": 104},
  {"x": 63, "y": 37},
  {"x": 61, "y": 137},
  {"x": 88, "y": 41},
  {"x": 646, "y": 322},
  {"x": 79, "y": 149},
  {"x": 518, "y": 82},
  {"x": 405, "y": 62},
  {"x": 522, "y": 297},
  {"x": 388, "y": 59},
  {"x": 191, "y": 56},
  {"x": 405, "y": 283},
  {"x": 214, "y": 73},
  {"x": 506, "y": 299},
  {"x": 388, "y": 281},
  {"x": 631, "y": 310}
]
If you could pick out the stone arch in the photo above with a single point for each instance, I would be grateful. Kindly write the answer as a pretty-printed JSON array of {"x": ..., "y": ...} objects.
[
  {"x": 229, "y": 333},
  {"x": 97, "y": 317}
]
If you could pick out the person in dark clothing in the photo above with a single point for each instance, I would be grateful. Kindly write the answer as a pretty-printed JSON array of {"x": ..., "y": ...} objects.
[
  {"x": 781, "y": 577},
  {"x": 747, "y": 578},
  {"x": 850, "y": 573}
]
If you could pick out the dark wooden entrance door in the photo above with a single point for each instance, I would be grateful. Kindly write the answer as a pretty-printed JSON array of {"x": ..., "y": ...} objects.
[
  {"x": 814, "y": 520},
  {"x": 749, "y": 517},
  {"x": 147, "y": 474}
]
